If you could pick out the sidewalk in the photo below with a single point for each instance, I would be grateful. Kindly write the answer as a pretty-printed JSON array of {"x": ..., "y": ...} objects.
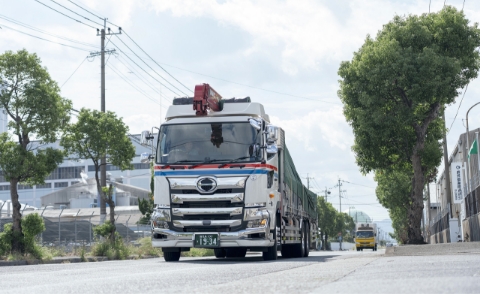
[{"x": 434, "y": 249}]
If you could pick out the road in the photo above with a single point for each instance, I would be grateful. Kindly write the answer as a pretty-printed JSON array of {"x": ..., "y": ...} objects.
[{"x": 322, "y": 272}]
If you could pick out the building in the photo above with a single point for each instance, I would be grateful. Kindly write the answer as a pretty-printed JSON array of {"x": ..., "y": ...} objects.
[
  {"x": 458, "y": 195},
  {"x": 69, "y": 173}
]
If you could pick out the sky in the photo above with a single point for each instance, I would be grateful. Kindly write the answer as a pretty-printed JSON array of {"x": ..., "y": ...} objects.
[{"x": 284, "y": 54}]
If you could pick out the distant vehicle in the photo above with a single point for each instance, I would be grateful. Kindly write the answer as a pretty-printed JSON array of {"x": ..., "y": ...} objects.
[
  {"x": 366, "y": 236},
  {"x": 389, "y": 245}
]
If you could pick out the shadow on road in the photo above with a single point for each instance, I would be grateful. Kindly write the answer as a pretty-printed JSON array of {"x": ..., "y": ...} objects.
[{"x": 256, "y": 259}]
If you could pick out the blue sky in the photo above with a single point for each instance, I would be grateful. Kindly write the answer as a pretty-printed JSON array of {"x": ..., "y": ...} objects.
[{"x": 282, "y": 53}]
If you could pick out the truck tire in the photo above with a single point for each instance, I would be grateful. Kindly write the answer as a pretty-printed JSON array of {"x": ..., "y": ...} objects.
[
  {"x": 171, "y": 256},
  {"x": 299, "y": 249},
  {"x": 375, "y": 249},
  {"x": 307, "y": 240},
  {"x": 271, "y": 253},
  {"x": 220, "y": 252}
]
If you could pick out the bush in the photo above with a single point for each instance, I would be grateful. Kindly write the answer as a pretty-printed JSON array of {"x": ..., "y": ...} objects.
[
  {"x": 117, "y": 250},
  {"x": 32, "y": 225},
  {"x": 198, "y": 252},
  {"x": 146, "y": 248}
]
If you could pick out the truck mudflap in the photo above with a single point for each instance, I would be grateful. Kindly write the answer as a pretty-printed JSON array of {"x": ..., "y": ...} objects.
[{"x": 169, "y": 238}]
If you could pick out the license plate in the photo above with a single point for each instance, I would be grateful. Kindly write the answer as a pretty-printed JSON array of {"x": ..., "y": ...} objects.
[{"x": 206, "y": 240}]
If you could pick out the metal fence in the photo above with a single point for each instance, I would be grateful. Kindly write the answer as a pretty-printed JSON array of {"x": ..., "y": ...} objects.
[
  {"x": 440, "y": 222},
  {"x": 74, "y": 227}
]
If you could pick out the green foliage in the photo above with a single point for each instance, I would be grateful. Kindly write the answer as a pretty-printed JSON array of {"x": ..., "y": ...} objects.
[
  {"x": 104, "y": 229},
  {"x": 146, "y": 248},
  {"x": 32, "y": 101},
  {"x": 117, "y": 250},
  {"x": 84, "y": 140},
  {"x": 396, "y": 87},
  {"x": 32, "y": 225},
  {"x": 332, "y": 222},
  {"x": 146, "y": 208}
]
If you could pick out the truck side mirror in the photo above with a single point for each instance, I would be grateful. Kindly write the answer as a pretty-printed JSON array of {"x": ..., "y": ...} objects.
[{"x": 145, "y": 136}]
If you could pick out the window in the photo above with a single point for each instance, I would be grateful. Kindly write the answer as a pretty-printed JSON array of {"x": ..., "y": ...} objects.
[
  {"x": 24, "y": 187},
  {"x": 141, "y": 166},
  {"x": 44, "y": 186},
  {"x": 61, "y": 184},
  {"x": 5, "y": 188},
  {"x": 69, "y": 172}
]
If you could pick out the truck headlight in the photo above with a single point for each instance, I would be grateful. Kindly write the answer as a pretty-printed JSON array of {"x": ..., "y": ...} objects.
[
  {"x": 160, "y": 217},
  {"x": 256, "y": 217}
]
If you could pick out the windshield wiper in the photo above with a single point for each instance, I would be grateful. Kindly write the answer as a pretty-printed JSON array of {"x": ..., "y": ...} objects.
[
  {"x": 205, "y": 162},
  {"x": 178, "y": 162},
  {"x": 233, "y": 161}
]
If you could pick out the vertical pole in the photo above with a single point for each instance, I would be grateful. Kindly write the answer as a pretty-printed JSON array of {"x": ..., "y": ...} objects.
[
  {"x": 340, "y": 198},
  {"x": 446, "y": 168},
  {"x": 90, "y": 233},
  {"x": 1, "y": 211},
  {"x": 428, "y": 213},
  {"x": 59, "y": 234},
  {"x": 103, "y": 166},
  {"x": 127, "y": 226},
  {"x": 76, "y": 228}
]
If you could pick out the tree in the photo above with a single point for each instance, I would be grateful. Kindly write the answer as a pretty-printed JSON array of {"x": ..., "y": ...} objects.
[
  {"x": 36, "y": 110},
  {"x": 95, "y": 135},
  {"x": 396, "y": 86},
  {"x": 326, "y": 219}
]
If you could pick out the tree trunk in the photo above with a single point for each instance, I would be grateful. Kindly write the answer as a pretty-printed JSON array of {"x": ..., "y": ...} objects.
[
  {"x": 17, "y": 242},
  {"x": 416, "y": 208},
  {"x": 103, "y": 209},
  {"x": 110, "y": 203}
]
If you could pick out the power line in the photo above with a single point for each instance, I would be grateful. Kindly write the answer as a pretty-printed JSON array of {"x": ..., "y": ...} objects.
[
  {"x": 76, "y": 13},
  {"x": 73, "y": 72},
  {"x": 151, "y": 68},
  {"x": 466, "y": 88},
  {"x": 249, "y": 86},
  {"x": 145, "y": 81},
  {"x": 44, "y": 32},
  {"x": 189, "y": 89},
  {"x": 65, "y": 14},
  {"x": 358, "y": 184},
  {"x": 84, "y": 9},
  {"x": 78, "y": 48},
  {"x": 143, "y": 69}
]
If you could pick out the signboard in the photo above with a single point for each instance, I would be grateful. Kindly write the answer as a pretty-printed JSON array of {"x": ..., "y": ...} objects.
[{"x": 457, "y": 182}]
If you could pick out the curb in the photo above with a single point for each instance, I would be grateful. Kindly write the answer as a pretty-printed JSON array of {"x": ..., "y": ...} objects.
[
  {"x": 434, "y": 249},
  {"x": 61, "y": 260}
]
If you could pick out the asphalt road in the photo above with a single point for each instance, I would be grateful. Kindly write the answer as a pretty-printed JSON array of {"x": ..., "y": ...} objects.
[{"x": 325, "y": 272}]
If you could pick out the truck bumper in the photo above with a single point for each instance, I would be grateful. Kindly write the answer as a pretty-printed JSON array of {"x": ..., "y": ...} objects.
[{"x": 227, "y": 239}]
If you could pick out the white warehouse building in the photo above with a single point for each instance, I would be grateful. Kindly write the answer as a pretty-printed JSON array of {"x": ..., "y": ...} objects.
[{"x": 68, "y": 174}]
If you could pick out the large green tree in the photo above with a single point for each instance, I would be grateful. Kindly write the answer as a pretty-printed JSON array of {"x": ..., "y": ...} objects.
[
  {"x": 395, "y": 87},
  {"x": 35, "y": 109},
  {"x": 96, "y": 135}
]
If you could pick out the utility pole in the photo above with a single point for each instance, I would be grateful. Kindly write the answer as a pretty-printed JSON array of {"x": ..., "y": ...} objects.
[
  {"x": 447, "y": 169},
  {"x": 308, "y": 182},
  {"x": 103, "y": 165},
  {"x": 340, "y": 198}
]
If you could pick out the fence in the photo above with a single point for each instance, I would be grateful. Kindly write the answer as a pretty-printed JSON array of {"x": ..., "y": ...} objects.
[
  {"x": 74, "y": 227},
  {"x": 440, "y": 227}
]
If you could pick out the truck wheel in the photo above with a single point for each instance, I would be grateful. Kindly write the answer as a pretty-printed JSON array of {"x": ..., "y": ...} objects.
[
  {"x": 299, "y": 249},
  {"x": 171, "y": 256},
  {"x": 307, "y": 240},
  {"x": 271, "y": 253},
  {"x": 375, "y": 249},
  {"x": 220, "y": 252}
]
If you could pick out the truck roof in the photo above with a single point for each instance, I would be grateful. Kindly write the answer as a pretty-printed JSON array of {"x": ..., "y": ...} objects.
[{"x": 254, "y": 109}]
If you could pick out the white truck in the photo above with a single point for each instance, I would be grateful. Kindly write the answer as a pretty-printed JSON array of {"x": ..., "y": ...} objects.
[
  {"x": 366, "y": 236},
  {"x": 224, "y": 179}
]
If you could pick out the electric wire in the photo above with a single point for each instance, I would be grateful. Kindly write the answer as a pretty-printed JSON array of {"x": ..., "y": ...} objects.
[
  {"x": 78, "y": 48},
  {"x": 44, "y": 32},
  {"x": 249, "y": 86},
  {"x": 84, "y": 9},
  {"x": 189, "y": 89},
  {"x": 141, "y": 78},
  {"x": 151, "y": 67},
  {"x": 357, "y": 184},
  {"x": 76, "y": 13},
  {"x": 73, "y": 72},
  {"x": 134, "y": 86},
  {"x": 466, "y": 88},
  {"x": 65, "y": 14},
  {"x": 143, "y": 69}
]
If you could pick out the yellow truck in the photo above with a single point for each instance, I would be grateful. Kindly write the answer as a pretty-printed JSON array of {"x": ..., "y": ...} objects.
[{"x": 366, "y": 236}]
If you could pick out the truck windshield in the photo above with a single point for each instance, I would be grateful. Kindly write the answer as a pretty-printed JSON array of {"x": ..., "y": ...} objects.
[
  {"x": 364, "y": 234},
  {"x": 212, "y": 142}
]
